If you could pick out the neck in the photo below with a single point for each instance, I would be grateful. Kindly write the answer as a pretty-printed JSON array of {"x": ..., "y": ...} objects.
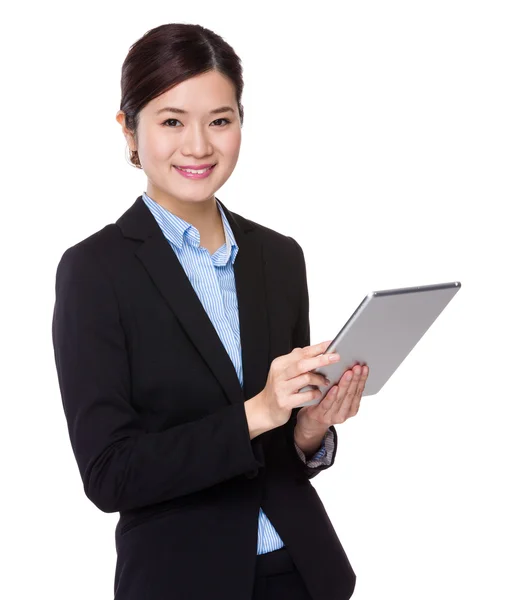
[{"x": 202, "y": 214}]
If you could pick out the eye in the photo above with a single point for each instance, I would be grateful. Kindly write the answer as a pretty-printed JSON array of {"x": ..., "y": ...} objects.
[
  {"x": 168, "y": 121},
  {"x": 177, "y": 120},
  {"x": 223, "y": 119}
]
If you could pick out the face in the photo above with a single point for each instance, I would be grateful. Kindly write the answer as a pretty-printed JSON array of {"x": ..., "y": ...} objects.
[{"x": 169, "y": 139}]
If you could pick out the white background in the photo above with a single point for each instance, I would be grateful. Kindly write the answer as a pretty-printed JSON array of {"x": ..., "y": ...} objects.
[{"x": 384, "y": 137}]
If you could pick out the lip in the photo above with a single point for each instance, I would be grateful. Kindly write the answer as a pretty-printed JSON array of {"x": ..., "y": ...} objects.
[
  {"x": 195, "y": 166},
  {"x": 195, "y": 175}
]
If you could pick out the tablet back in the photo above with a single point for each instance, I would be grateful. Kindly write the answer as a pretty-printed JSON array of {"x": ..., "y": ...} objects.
[{"x": 383, "y": 330}]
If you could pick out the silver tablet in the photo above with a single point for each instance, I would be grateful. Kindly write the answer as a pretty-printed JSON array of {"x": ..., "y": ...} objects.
[{"x": 382, "y": 332}]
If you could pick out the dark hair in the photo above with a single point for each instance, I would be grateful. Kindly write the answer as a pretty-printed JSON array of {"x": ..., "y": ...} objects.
[{"x": 167, "y": 55}]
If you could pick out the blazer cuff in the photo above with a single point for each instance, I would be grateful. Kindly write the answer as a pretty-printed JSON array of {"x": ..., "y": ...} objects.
[{"x": 323, "y": 456}]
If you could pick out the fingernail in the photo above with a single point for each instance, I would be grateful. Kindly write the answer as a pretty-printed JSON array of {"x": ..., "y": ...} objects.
[{"x": 333, "y": 357}]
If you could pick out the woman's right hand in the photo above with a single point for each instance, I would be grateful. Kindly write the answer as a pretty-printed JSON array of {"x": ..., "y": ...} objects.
[{"x": 288, "y": 374}]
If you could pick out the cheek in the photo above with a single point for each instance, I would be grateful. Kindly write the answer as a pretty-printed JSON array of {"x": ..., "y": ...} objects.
[
  {"x": 156, "y": 146},
  {"x": 230, "y": 146}
]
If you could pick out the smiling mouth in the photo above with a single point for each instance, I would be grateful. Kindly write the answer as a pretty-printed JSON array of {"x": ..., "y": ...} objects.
[{"x": 195, "y": 171}]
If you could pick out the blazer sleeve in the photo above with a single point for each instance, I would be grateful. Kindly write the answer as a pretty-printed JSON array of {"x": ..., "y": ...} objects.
[
  {"x": 122, "y": 465},
  {"x": 323, "y": 456},
  {"x": 302, "y": 338}
]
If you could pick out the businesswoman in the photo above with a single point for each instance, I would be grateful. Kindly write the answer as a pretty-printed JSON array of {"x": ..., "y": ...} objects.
[{"x": 181, "y": 338}]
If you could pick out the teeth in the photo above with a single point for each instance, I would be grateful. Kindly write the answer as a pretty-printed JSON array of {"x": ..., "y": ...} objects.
[{"x": 193, "y": 171}]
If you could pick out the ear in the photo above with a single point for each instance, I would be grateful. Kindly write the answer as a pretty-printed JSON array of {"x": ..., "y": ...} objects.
[{"x": 120, "y": 118}]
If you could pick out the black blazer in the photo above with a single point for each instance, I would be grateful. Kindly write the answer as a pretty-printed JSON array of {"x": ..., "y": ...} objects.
[{"x": 156, "y": 417}]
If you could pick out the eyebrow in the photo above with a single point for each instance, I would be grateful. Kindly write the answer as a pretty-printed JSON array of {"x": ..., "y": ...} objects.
[{"x": 215, "y": 111}]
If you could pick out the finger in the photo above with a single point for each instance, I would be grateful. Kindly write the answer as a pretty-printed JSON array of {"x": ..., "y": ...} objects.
[
  {"x": 359, "y": 392},
  {"x": 308, "y": 378},
  {"x": 316, "y": 412},
  {"x": 327, "y": 402},
  {"x": 348, "y": 397},
  {"x": 348, "y": 387},
  {"x": 316, "y": 349},
  {"x": 313, "y": 350},
  {"x": 356, "y": 402},
  {"x": 302, "y": 364},
  {"x": 306, "y": 352},
  {"x": 331, "y": 406},
  {"x": 313, "y": 347}
]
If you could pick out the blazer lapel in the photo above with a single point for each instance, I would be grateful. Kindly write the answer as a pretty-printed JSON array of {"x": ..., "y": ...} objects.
[
  {"x": 168, "y": 275},
  {"x": 249, "y": 268}
]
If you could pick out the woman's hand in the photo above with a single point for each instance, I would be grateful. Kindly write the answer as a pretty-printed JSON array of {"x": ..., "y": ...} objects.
[
  {"x": 287, "y": 375},
  {"x": 341, "y": 402}
]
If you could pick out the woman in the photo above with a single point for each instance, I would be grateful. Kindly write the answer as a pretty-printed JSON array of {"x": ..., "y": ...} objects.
[{"x": 181, "y": 336}]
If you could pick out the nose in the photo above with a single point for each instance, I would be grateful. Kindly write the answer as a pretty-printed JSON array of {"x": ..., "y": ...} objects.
[{"x": 196, "y": 142}]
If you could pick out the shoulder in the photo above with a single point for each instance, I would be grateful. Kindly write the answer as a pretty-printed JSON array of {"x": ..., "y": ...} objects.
[
  {"x": 89, "y": 254},
  {"x": 274, "y": 242}
]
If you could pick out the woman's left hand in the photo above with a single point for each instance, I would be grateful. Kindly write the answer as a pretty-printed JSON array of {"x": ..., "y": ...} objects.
[{"x": 340, "y": 403}]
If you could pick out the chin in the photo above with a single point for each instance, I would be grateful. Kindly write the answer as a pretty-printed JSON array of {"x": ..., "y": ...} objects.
[{"x": 195, "y": 196}]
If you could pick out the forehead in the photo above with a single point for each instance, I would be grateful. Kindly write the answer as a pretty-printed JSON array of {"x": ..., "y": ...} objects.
[{"x": 199, "y": 94}]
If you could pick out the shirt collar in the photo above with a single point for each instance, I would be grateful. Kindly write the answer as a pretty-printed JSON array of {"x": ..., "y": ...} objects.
[{"x": 178, "y": 231}]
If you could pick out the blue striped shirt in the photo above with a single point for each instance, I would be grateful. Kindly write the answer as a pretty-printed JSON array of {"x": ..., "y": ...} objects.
[{"x": 213, "y": 279}]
